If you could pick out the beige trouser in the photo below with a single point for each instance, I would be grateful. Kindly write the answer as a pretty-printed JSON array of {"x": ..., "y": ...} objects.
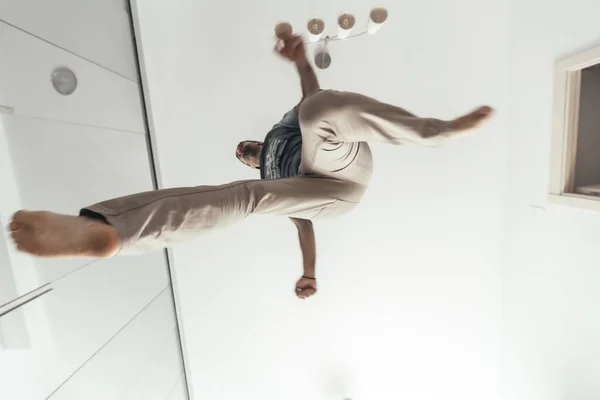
[{"x": 335, "y": 170}]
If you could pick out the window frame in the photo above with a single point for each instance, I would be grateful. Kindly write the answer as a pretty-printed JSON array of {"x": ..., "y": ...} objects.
[{"x": 565, "y": 122}]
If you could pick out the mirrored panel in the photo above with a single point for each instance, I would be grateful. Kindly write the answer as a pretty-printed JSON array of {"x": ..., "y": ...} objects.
[{"x": 72, "y": 133}]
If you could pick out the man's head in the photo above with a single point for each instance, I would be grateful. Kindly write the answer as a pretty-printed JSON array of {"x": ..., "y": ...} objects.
[{"x": 248, "y": 152}]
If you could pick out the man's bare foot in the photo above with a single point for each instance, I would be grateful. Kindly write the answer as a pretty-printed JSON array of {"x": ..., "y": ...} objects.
[
  {"x": 472, "y": 119},
  {"x": 46, "y": 234}
]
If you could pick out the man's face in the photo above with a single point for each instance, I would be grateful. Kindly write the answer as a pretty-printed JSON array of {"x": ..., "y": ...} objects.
[{"x": 248, "y": 152}]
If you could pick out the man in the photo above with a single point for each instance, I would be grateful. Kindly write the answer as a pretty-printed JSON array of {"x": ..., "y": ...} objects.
[{"x": 314, "y": 163}]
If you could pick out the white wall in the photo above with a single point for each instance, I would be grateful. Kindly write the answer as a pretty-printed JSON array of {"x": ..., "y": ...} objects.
[
  {"x": 97, "y": 31},
  {"x": 107, "y": 329},
  {"x": 551, "y": 276},
  {"x": 409, "y": 302}
]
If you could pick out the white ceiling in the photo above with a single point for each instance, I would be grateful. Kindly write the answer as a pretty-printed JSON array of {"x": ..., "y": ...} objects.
[{"x": 409, "y": 282}]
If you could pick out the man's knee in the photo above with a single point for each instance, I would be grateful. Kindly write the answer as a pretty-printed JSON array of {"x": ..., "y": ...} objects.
[{"x": 315, "y": 106}]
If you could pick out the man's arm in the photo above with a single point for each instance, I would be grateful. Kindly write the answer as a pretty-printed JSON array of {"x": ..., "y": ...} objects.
[
  {"x": 292, "y": 48},
  {"x": 308, "y": 79},
  {"x": 307, "y": 284},
  {"x": 306, "y": 235}
]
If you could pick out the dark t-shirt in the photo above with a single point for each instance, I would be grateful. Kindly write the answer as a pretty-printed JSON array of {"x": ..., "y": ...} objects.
[{"x": 282, "y": 149}]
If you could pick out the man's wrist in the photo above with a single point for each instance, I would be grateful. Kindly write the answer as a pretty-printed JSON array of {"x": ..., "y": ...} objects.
[
  {"x": 309, "y": 272},
  {"x": 302, "y": 63}
]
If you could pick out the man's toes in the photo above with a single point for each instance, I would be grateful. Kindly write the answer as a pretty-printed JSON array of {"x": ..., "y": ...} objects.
[
  {"x": 19, "y": 219},
  {"x": 18, "y": 215},
  {"x": 15, "y": 226},
  {"x": 17, "y": 239},
  {"x": 484, "y": 111}
]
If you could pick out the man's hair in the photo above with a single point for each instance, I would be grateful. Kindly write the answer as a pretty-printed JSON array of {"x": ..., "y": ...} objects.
[{"x": 239, "y": 156}]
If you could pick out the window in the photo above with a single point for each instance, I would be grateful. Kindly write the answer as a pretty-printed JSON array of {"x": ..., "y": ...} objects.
[{"x": 575, "y": 167}]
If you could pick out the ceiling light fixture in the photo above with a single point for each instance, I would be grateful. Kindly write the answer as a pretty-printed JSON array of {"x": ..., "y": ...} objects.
[
  {"x": 377, "y": 18},
  {"x": 345, "y": 23},
  {"x": 315, "y": 26},
  {"x": 322, "y": 56},
  {"x": 64, "y": 80}
]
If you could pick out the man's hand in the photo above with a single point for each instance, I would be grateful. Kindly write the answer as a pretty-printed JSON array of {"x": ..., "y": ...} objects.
[
  {"x": 292, "y": 48},
  {"x": 306, "y": 287}
]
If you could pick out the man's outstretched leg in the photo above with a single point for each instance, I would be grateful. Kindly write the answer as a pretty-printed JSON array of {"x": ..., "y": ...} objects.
[
  {"x": 352, "y": 117},
  {"x": 156, "y": 219},
  {"x": 46, "y": 234}
]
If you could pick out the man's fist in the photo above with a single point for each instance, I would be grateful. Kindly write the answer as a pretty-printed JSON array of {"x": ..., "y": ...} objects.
[
  {"x": 292, "y": 48},
  {"x": 306, "y": 287}
]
